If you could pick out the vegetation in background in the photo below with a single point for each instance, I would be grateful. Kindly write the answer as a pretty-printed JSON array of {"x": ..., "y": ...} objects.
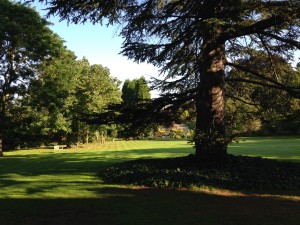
[
  {"x": 251, "y": 107},
  {"x": 25, "y": 41},
  {"x": 195, "y": 43},
  {"x": 135, "y": 91},
  {"x": 64, "y": 91}
]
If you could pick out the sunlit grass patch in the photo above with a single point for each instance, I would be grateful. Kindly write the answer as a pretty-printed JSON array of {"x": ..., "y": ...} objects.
[{"x": 281, "y": 148}]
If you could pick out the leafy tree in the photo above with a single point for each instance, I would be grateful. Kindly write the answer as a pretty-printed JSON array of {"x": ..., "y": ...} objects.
[
  {"x": 195, "y": 42},
  {"x": 50, "y": 98},
  {"x": 135, "y": 91},
  {"x": 64, "y": 92},
  {"x": 94, "y": 91},
  {"x": 96, "y": 88},
  {"x": 25, "y": 40},
  {"x": 143, "y": 91}
]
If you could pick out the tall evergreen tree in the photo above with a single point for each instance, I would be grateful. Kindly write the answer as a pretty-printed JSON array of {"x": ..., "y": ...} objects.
[
  {"x": 135, "y": 91},
  {"x": 194, "y": 42},
  {"x": 143, "y": 90}
]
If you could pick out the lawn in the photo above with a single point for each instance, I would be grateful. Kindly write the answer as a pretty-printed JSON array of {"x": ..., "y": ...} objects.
[
  {"x": 281, "y": 148},
  {"x": 63, "y": 187}
]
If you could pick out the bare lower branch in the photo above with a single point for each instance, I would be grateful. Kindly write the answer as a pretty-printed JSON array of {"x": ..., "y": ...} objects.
[
  {"x": 289, "y": 41},
  {"x": 260, "y": 76}
]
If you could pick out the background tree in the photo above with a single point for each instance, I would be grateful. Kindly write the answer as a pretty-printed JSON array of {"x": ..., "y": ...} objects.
[
  {"x": 254, "y": 101},
  {"x": 65, "y": 90},
  {"x": 50, "y": 99},
  {"x": 135, "y": 91},
  {"x": 194, "y": 42},
  {"x": 95, "y": 90},
  {"x": 25, "y": 40}
]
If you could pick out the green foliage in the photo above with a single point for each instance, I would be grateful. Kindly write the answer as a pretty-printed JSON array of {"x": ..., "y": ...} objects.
[
  {"x": 134, "y": 94},
  {"x": 250, "y": 103},
  {"x": 194, "y": 43},
  {"x": 135, "y": 91},
  {"x": 235, "y": 173},
  {"x": 25, "y": 41},
  {"x": 61, "y": 96}
]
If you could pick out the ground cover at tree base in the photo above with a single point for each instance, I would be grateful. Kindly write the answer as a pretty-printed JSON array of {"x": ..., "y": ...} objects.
[
  {"x": 232, "y": 172},
  {"x": 59, "y": 187}
]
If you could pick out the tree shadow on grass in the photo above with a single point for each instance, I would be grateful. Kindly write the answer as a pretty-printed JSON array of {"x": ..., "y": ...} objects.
[
  {"x": 38, "y": 173},
  {"x": 116, "y": 206},
  {"x": 124, "y": 206},
  {"x": 72, "y": 162}
]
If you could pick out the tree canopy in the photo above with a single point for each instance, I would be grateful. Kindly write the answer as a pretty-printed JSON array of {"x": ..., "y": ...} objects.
[
  {"x": 44, "y": 90},
  {"x": 195, "y": 43},
  {"x": 63, "y": 92},
  {"x": 25, "y": 40},
  {"x": 250, "y": 103},
  {"x": 135, "y": 91}
]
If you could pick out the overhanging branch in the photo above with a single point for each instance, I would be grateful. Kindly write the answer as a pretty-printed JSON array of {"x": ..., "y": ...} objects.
[
  {"x": 239, "y": 30},
  {"x": 288, "y": 41},
  {"x": 258, "y": 75},
  {"x": 289, "y": 90},
  {"x": 241, "y": 100}
]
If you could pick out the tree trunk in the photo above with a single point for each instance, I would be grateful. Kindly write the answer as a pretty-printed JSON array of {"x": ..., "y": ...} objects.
[
  {"x": 2, "y": 116},
  {"x": 210, "y": 139},
  {"x": 102, "y": 138},
  {"x": 87, "y": 137},
  {"x": 1, "y": 152}
]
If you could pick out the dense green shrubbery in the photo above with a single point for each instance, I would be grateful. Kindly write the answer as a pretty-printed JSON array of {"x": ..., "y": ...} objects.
[{"x": 236, "y": 173}]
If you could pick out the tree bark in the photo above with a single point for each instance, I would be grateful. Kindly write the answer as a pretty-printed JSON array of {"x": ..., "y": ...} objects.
[
  {"x": 2, "y": 117},
  {"x": 87, "y": 137},
  {"x": 1, "y": 152},
  {"x": 210, "y": 139}
]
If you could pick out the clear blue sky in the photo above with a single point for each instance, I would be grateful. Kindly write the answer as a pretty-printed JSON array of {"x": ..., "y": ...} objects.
[{"x": 100, "y": 45}]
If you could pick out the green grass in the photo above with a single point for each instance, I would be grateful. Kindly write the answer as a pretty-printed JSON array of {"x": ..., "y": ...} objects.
[
  {"x": 65, "y": 187},
  {"x": 281, "y": 148}
]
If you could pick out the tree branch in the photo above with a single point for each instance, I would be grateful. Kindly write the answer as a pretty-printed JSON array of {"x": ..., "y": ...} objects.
[
  {"x": 239, "y": 31},
  {"x": 276, "y": 83},
  {"x": 289, "y": 41},
  {"x": 239, "y": 99},
  {"x": 291, "y": 91}
]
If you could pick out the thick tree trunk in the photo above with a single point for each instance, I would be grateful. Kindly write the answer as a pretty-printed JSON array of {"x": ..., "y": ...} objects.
[{"x": 210, "y": 140}]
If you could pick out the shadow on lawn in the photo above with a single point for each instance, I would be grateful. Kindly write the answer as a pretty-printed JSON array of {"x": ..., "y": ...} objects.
[
  {"x": 126, "y": 206},
  {"x": 64, "y": 162},
  {"x": 41, "y": 172},
  {"x": 150, "y": 206}
]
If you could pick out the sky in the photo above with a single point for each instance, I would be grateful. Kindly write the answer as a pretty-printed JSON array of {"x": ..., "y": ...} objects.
[{"x": 100, "y": 45}]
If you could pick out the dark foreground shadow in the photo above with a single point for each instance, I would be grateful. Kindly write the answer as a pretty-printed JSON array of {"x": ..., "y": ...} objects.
[{"x": 124, "y": 206}]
